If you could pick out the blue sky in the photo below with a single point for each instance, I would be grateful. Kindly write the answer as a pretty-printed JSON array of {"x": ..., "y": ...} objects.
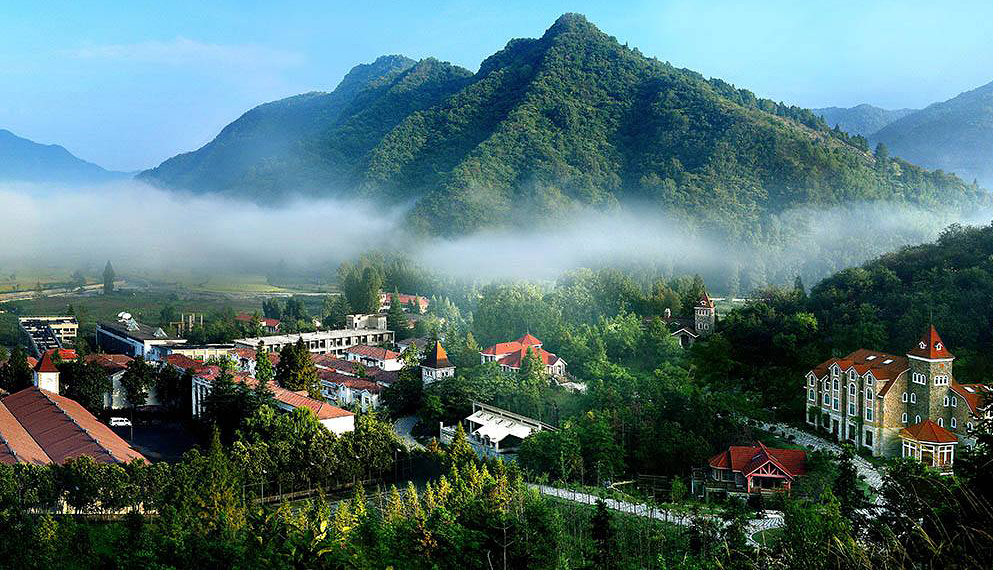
[{"x": 128, "y": 84}]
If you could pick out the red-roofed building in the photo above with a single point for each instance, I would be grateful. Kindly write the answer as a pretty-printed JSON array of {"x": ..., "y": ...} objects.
[
  {"x": 386, "y": 300},
  {"x": 509, "y": 355},
  {"x": 46, "y": 375},
  {"x": 374, "y": 356},
  {"x": 874, "y": 399},
  {"x": 755, "y": 469},
  {"x": 270, "y": 326},
  {"x": 40, "y": 427}
]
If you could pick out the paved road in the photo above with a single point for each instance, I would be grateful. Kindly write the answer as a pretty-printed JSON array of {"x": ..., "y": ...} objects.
[
  {"x": 772, "y": 519},
  {"x": 404, "y": 428},
  {"x": 865, "y": 469}
]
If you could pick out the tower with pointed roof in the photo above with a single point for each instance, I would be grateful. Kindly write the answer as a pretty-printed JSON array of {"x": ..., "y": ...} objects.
[
  {"x": 46, "y": 375},
  {"x": 436, "y": 365},
  {"x": 704, "y": 315}
]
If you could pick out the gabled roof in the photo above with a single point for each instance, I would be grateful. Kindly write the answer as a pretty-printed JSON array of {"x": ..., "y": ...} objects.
[
  {"x": 705, "y": 301},
  {"x": 514, "y": 359},
  {"x": 436, "y": 357},
  {"x": 323, "y": 410},
  {"x": 529, "y": 340},
  {"x": 928, "y": 431},
  {"x": 64, "y": 430},
  {"x": 975, "y": 395},
  {"x": 183, "y": 362},
  {"x": 109, "y": 362},
  {"x": 745, "y": 459},
  {"x": 512, "y": 346},
  {"x": 45, "y": 364},
  {"x": 930, "y": 346},
  {"x": 377, "y": 352}
]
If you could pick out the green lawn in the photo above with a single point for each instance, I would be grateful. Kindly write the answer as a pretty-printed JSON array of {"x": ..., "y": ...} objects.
[{"x": 769, "y": 537}]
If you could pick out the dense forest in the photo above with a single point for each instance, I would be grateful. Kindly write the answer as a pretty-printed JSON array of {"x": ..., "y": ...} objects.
[
  {"x": 861, "y": 119},
  {"x": 546, "y": 126}
]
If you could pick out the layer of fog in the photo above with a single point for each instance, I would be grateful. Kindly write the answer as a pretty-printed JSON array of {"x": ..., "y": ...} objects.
[{"x": 144, "y": 229}]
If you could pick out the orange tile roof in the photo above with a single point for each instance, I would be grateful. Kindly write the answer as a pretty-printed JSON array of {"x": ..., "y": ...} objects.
[
  {"x": 64, "y": 353},
  {"x": 46, "y": 364},
  {"x": 745, "y": 459},
  {"x": 930, "y": 346},
  {"x": 514, "y": 359},
  {"x": 437, "y": 357},
  {"x": 376, "y": 352},
  {"x": 64, "y": 430},
  {"x": 929, "y": 432}
]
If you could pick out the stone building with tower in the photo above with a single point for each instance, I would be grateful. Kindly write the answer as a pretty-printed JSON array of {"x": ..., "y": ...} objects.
[
  {"x": 436, "y": 365},
  {"x": 897, "y": 406},
  {"x": 688, "y": 330}
]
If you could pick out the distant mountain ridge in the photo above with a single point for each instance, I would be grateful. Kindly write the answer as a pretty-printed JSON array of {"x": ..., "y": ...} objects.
[
  {"x": 24, "y": 160},
  {"x": 861, "y": 119},
  {"x": 955, "y": 135},
  {"x": 547, "y": 126}
]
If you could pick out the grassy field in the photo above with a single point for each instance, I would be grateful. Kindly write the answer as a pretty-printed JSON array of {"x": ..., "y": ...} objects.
[{"x": 769, "y": 537}]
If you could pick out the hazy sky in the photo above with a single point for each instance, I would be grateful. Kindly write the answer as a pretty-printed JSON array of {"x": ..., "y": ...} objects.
[{"x": 128, "y": 84}]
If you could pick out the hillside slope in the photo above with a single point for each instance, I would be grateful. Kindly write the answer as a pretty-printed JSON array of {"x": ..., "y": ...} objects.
[
  {"x": 27, "y": 161},
  {"x": 861, "y": 119},
  {"x": 572, "y": 119},
  {"x": 955, "y": 136}
]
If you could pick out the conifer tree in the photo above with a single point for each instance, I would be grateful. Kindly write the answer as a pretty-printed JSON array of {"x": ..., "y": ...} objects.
[{"x": 108, "y": 278}]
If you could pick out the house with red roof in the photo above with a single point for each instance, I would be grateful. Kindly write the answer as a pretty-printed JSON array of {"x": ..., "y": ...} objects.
[
  {"x": 510, "y": 355},
  {"x": 417, "y": 301},
  {"x": 897, "y": 406},
  {"x": 40, "y": 427},
  {"x": 374, "y": 356},
  {"x": 270, "y": 326},
  {"x": 753, "y": 469}
]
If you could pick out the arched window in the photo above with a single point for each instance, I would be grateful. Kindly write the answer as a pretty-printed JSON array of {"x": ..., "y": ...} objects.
[
  {"x": 941, "y": 422},
  {"x": 955, "y": 401},
  {"x": 904, "y": 418},
  {"x": 954, "y": 423},
  {"x": 917, "y": 419},
  {"x": 851, "y": 390},
  {"x": 835, "y": 384},
  {"x": 913, "y": 397},
  {"x": 904, "y": 397},
  {"x": 946, "y": 401}
]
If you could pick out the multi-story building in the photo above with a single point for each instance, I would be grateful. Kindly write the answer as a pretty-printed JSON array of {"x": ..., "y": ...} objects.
[
  {"x": 510, "y": 355},
  {"x": 897, "y": 406},
  {"x": 334, "y": 342},
  {"x": 134, "y": 339},
  {"x": 686, "y": 329},
  {"x": 47, "y": 333}
]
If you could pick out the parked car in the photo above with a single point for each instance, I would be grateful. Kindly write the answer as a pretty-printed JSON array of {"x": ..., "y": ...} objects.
[{"x": 120, "y": 422}]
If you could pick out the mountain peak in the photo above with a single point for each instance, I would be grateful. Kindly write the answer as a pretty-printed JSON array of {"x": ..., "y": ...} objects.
[{"x": 571, "y": 22}]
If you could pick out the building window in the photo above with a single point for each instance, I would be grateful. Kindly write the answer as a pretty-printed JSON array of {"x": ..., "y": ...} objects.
[
  {"x": 851, "y": 390},
  {"x": 851, "y": 375},
  {"x": 968, "y": 426},
  {"x": 941, "y": 422},
  {"x": 913, "y": 397},
  {"x": 953, "y": 423},
  {"x": 955, "y": 402},
  {"x": 941, "y": 380},
  {"x": 810, "y": 381},
  {"x": 827, "y": 398},
  {"x": 851, "y": 408},
  {"x": 836, "y": 404},
  {"x": 904, "y": 418},
  {"x": 868, "y": 380},
  {"x": 917, "y": 419},
  {"x": 919, "y": 378},
  {"x": 834, "y": 385},
  {"x": 868, "y": 438},
  {"x": 904, "y": 398},
  {"x": 811, "y": 395},
  {"x": 946, "y": 401},
  {"x": 868, "y": 414}
]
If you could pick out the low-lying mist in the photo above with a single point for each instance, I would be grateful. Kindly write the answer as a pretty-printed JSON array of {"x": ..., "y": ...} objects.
[{"x": 142, "y": 228}]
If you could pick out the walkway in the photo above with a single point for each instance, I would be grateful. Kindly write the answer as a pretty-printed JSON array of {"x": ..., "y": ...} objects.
[
  {"x": 772, "y": 519},
  {"x": 865, "y": 469},
  {"x": 404, "y": 429}
]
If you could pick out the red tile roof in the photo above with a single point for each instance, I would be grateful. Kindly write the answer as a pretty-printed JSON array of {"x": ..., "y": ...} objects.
[
  {"x": 16, "y": 444},
  {"x": 884, "y": 367},
  {"x": 64, "y": 353},
  {"x": 64, "y": 430},
  {"x": 405, "y": 299},
  {"x": 46, "y": 364},
  {"x": 512, "y": 346},
  {"x": 376, "y": 352},
  {"x": 265, "y": 321},
  {"x": 746, "y": 459},
  {"x": 929, "y": 432},
  {"x": 529, "y": 340},
  {"x": 109, "y": 362},
  {"x": 930, "y": 346},
  {"x": 975, "y": 395},
  {"x": 514, "y": 359},
  {"x": 184, "y": 362},
  {"x": 323, "y": 410}
]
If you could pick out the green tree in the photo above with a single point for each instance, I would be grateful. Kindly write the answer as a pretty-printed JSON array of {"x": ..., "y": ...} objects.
[
  {"x": 265, "y": 375},
  {"x": 16, "y": 374},
  {"x": 169, "y": 388},
  {"x": 604, "y": 555},
  {"x": 85, "y": 382},
  {"x": 136, "y": 381},
  {"x": 396, "y": 319},
  {"x": 108, "y": 278},
  {"x": 335, "y": 311},
  {"x": 296, "y": 371}
]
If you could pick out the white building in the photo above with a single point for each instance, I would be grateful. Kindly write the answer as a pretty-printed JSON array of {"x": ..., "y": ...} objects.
[
  {"x": 46, "y": 333},
  {"x": 436, "y": 365},
  {"x": 320, "y": 342},
  {"x": 494, "y": 431},
  {"x": 134, "y": 339},
  {"x": 374, "y": 356}
]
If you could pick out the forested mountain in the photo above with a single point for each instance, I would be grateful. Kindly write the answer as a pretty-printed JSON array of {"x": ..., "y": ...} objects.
[
  {"x": 955, "y": 136},
  {"x": 887, "y": 302},
  {"x": 571, "y": 119},
  {"x": 861, "y": 119},
  {"x": 27, "y": 161}
]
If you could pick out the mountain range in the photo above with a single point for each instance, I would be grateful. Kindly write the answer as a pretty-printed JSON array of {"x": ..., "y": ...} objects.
[
  {"x": 23, "y": 160},
  {"x": 861, "y": 119},
  {"x": 546, "y": 127}
]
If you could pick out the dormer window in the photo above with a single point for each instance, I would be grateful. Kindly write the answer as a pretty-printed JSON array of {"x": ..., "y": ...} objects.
[
  {"x": 923, "y": 345},
  {"x": 851, "y": 375},
  {"x": 937, "y": 346}
]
